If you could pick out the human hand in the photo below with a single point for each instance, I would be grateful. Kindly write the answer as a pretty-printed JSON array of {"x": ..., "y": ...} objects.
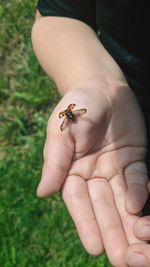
[
  {"x": 98, "y": 163},
  {"x": 139, "y": 254}
]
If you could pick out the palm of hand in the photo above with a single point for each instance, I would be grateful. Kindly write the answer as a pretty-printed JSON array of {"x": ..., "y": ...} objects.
[
  {"x": 97, "y": 159},
  {"x": 116, "y": 142}
]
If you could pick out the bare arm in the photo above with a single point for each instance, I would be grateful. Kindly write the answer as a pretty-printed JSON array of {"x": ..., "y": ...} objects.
[
  {"x": 101, "y": 166},
  {"x": 70, "y": 53}
]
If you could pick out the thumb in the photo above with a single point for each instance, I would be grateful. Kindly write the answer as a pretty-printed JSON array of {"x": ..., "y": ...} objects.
[
  {"x": 148, "y": 186},
  {"x": 58, "y": 152},
  {"x": 138, "y": 255}
]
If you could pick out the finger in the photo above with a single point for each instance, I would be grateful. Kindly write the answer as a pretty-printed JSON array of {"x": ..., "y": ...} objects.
[
  {"x": 58, "y": 153},
  {"x": 142, "y": 228},
  {"x": 136, "y": 177},
  {"x": 128, "y": 220},
  {"x": 76, "y": 197},
  {"x": 138, "y": 255},
  {"x": 113, "y": 236}
]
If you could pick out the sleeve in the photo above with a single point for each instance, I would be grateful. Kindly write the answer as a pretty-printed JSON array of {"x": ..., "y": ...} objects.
[{"x": 82, "y": 10}]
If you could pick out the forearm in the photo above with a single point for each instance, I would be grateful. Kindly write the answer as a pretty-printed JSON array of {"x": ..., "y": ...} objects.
[{"x": 71, "y": 54}]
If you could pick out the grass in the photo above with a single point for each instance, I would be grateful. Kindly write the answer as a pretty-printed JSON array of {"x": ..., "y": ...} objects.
[{"x": 33, "y": 232}]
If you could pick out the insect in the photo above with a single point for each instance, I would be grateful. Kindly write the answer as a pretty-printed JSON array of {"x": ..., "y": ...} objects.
[{"x": 70, "y": 115}]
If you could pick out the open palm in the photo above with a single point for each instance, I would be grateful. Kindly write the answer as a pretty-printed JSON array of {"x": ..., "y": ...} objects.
[{"x": 98, "y": 163}]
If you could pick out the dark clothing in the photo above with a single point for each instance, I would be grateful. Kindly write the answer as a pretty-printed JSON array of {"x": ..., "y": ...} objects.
[{"x": 122, "y": 24}]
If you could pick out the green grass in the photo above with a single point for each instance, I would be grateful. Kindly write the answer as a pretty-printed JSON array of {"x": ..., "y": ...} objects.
[{"x": 33, "y": 232}]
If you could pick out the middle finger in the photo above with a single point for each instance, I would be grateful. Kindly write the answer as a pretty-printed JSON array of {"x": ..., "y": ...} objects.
[{"x": 112, "y": 232}]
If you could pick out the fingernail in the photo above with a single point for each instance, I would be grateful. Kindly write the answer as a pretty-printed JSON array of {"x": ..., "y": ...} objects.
[
  {"x": 136, "y": 260},
  {"x": 143, "y": 231}
]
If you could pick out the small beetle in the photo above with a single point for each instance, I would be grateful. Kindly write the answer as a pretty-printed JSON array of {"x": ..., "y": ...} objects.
[{"x": 70, "y": 115}]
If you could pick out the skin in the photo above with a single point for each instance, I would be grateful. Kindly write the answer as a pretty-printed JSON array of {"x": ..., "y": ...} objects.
[
  {"x": 142, "y": 231},
  {"x": 98, "y": 163}
]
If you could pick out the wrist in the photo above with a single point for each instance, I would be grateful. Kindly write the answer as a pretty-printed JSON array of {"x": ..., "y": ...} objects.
[{"x": 109, "y": 85}]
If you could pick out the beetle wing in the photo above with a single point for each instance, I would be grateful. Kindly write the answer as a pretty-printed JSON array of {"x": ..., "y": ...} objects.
[
  {"x": 79, "y": 112},
  {"x": 71, "y": 106},
  {"x": 64, "y": 124},
  {"x": 62, "y": 114}
]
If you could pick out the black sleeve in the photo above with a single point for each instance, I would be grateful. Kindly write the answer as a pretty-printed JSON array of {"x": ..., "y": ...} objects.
[{"x": 82, "y": 10}]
